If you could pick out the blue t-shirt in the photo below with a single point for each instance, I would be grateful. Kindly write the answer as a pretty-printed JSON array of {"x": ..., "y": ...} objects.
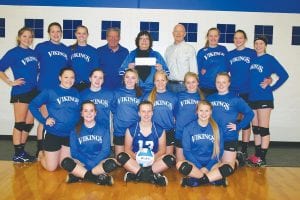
[
  {"x": 62, "y": 105},
  {"x": 198, "y": 145},
  {"x": 83, "y": 60},
  {"x": 52, "y": 58},
  {"x": 214, "y": 61},
  {"x": 91, "y": 145},
  {"x": 263, "y": 67},
  {"x": 226, "y": 109},
  {"x": 24, "y": 64},
  {"x": 239, "y": 68}
]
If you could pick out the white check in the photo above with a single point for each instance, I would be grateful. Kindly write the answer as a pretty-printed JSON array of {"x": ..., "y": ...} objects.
[{"x": 150, "y": 61}]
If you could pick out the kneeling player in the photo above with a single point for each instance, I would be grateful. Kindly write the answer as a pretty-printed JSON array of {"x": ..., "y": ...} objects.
[
  {"x": 203, "y": 147},
  {"x": 90, "y": 148},
  {"x": 145, "y": 150}
]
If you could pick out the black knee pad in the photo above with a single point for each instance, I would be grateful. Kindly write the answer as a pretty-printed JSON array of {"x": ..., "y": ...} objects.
[
  {"x": 169, "y": 160},
  {"x": 28, "y": 127},
  {"x": 68, "y": 164},
  {"x": 185, "y": 168},
  {"x": 109, "y": 165},
  {"x": 20, "y": 126},
  {"x": 264, "y": 131},
  {"x": 226, "y": 170},
  {"x": 122, "y": 158},
  {"x": 255, "y": 130}
]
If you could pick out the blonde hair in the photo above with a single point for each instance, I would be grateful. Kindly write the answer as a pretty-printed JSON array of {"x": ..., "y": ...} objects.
[
  {"x": 211, "y": 29},
  {"x": 194, "y": 75},
  {"x": 21, "y": 31},
  {"x": 152, "y": 95},
  {"x": 74, "y": 46},
  {"x": 215, "y": 128}
]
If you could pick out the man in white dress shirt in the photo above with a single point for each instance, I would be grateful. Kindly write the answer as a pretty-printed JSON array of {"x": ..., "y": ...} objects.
[{"x": 180, "y": 58}]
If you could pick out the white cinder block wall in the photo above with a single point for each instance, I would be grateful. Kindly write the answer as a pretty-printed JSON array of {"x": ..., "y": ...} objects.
[{"x": 285, "y": 121}]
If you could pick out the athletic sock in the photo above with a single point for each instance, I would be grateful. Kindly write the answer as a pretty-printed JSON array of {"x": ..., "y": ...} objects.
[
  {"x": 18, "y": 149},
  {"x": 263, "y": 154},
  {"x": 257, "y": 150},
  {"x": 204, "y": 179},
  {"x": 244, "y": 147},
  {"x": 89, "y": 176}
]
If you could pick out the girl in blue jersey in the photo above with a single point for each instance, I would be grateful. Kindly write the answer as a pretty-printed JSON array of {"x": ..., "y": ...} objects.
[
  {"x": 240, "y": 60},
  {"x": 261, "y": 97},
  {"x": 52, "y": 56},
  {"x": 90, "y": 149},
  {"x": 125, "y": 108},
  {"x": 83, "y": 58},
  {"x": 211, "y": 60},
  {"x": 100, "y": 97},
  {"x": 146, "y": 73},
  {"x": 24, "y": 65},
  {"x": 203, "y": 148},
  {"x": 185, "y": 109},
  {"x": 164, "y": 103},
  {"x": 226, "y": 108},
  {"x": 145, "y": 137},
  {"x": 62, "y": 104}
]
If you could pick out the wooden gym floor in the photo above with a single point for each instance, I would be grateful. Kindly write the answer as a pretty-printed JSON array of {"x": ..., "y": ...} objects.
[{"x": 31, "y": 181}]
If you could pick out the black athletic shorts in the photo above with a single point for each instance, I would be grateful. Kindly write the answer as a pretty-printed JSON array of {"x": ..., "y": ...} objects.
[
  {"x": 230, "y": 146},
  {"x": 25, "y": 97},
  {"x": 178, "y": 143},
  {"x": 170, "y": 136},
  {"x": 261, "y": 104},
  {"x": 54, "y": 142},
  {"x": 119, "y": 140}
]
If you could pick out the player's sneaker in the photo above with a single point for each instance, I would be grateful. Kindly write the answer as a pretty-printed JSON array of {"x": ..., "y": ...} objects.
[
  {"x": 104, "y": 179},
  {"x": 72, "y": 179},
  {"x": 241, "y": 158},
  {"x": 30, "y": 157},
  {"x": 128, "y": 177},
  {"x": 23, "y": 157},
  {"x": 255, "y": 161},
  {"x": 222, "y": 182},
  {"x": 160, "y": 179},
  {"x": 189, "y": 181}
]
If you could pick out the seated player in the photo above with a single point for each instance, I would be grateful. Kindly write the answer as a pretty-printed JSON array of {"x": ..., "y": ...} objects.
[
  {"x": 203, "y": 148},
  {"x": 90, "y": 148},
  {"x": 145, "y": 150}
]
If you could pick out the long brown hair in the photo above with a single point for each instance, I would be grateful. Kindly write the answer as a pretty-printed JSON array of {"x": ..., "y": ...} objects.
[
  {"x": 138, "y": 90},
  {"x": 211, "y": 29},
  {"x": 215, "y": 128},
  {"x": 152, "y": 95},
  {"x": 81, "y": 120}
]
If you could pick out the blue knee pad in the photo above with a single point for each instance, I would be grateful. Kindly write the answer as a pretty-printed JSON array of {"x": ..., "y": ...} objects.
[
  {"x": 185, "y": 168},
  {"x": 20, "y": 126},
  {"x": 68, "y": 164},
  {"x": 122, "y": 158},
  {"x": 226, "y": 170},
  {"x": 109, "y": 165},
  {"x": 169, "y": 160}
]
